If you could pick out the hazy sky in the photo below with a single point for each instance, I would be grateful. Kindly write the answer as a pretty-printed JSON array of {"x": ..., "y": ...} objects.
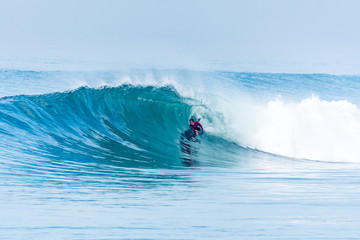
[{"x": 252, "y": 35}]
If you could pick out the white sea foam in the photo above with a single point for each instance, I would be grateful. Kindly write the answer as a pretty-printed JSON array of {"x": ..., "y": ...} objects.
[{"x": 312, "y": 128}]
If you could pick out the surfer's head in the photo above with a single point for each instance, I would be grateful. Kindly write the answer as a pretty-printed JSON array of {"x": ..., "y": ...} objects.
[{"x": 192, "y": 120}]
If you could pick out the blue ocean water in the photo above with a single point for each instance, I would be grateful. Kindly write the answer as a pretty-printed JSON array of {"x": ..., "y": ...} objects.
[{"x": 99, "y": 155}]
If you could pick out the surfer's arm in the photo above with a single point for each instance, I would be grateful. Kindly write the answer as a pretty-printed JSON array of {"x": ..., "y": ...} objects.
[{"x": 201, "y": 127}]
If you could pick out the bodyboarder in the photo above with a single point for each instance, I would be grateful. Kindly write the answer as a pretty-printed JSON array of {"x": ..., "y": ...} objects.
[{"x": 196, "y": 126}]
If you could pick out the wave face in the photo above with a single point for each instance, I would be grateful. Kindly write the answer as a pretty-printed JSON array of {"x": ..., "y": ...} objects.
[
  {"x": 137, "y": 119},
  {"x": 135, "y": 126}
]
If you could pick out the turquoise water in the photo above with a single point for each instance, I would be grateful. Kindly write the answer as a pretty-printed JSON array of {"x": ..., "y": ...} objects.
[{"x": 99, "y": 155}]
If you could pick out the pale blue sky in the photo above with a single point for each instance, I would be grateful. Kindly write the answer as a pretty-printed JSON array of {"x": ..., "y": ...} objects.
[{"x": 253, "y": 35}]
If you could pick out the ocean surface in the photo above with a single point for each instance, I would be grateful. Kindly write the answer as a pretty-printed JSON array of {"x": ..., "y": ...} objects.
[{"x": 100, "y": 155}]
